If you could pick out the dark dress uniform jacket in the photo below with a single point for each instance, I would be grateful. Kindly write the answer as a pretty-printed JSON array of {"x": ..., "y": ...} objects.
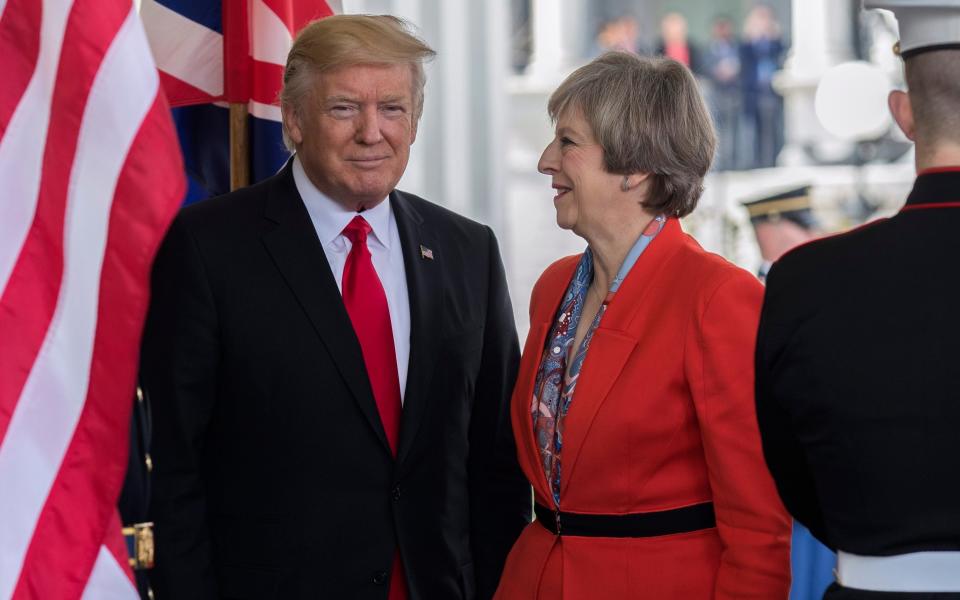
[
  {"x": 858, "y": 381},
  {"x": 273, "y": 476}
]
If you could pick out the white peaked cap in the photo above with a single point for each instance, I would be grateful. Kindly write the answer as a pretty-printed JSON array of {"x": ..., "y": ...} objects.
[{"x": 924, "y": 24}]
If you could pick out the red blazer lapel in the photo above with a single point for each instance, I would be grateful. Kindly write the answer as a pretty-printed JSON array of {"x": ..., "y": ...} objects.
[
  {"x": 544, "y": 303},
  {"x": 527, "y": 449},
  {"x": 610, "y": 349},
  {"x": 614, "y": 341}
]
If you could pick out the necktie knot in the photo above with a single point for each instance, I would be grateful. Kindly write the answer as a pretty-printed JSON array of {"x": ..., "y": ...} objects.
[{"x": 357, "y": 230}]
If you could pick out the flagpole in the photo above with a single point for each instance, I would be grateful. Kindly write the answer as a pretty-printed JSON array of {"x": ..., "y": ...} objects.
[{"x": 239, "y": 146}]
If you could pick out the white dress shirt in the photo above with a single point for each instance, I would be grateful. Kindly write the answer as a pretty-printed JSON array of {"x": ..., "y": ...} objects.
[{"x": 329, "y": 220}]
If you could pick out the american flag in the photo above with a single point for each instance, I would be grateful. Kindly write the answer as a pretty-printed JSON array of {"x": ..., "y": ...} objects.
[
  {"x": 90, "y": 177},
  {"x": 210, "y": 52}
]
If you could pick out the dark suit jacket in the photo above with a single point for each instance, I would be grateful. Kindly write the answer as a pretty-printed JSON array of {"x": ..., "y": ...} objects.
[
  {"x": 858, "y": 379},
  {"x": 273, "y": 475},
  {"x": 752, "y": 85}
]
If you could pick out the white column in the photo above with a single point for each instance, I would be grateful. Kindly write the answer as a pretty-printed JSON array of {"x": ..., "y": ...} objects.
[
  {"x": 490, "y": 55},
  {"x": 414, "y": 178},
  {"x": 369, "y": 7},
  {"x": 822, "y": 38},
  {"x": 452, "y": 162},
  {"x": 458, "y": 158},
  {"x": 821, "y": 31},
  {"x": 558, "y": 37}
]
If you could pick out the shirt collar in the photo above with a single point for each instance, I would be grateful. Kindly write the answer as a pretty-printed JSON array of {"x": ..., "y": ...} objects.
[
  {"x": 933, "y": 187},
  {"x": 330, "y": 218}
]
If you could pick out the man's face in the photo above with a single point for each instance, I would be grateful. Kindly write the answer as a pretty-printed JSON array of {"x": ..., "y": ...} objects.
[
  {"x": 354, "y": 132},
  {"x": 779, "y": 237}
]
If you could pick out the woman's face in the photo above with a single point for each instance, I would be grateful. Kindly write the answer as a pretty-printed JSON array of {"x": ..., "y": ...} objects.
[{"x": 574, "y": 161}]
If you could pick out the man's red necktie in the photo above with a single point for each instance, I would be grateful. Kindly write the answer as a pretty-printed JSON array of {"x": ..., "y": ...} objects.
[{"x": 366, "y": 303}]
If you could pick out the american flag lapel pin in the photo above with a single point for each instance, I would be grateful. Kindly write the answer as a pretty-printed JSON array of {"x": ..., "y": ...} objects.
[{"x": 425, "y": 252}]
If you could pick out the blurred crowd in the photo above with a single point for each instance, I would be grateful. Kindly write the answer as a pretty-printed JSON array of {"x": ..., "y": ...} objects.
[{"x": 736, "y": 70}]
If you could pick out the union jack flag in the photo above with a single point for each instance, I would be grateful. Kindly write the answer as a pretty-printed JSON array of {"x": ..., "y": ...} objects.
[{"x": 210, "y": 52}]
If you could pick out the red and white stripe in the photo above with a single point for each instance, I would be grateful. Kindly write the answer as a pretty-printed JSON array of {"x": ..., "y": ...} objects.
[
  {"x": 273, "y": 25},
  {"x": 91, "y": 175}
]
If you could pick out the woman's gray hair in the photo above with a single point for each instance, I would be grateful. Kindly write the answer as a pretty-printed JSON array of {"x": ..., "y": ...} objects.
[
  {"x": 649, "y": 117},
  {"x": 343, "y": 40}
]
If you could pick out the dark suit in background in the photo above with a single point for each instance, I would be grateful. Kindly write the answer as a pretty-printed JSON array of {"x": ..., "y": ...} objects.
[
  {"x": 760, "y": 58},
  {"x": 134, "y": 502}
]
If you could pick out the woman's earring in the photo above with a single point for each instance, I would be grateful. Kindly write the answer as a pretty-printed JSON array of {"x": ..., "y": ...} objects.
[{"x": 625, "y": 184}]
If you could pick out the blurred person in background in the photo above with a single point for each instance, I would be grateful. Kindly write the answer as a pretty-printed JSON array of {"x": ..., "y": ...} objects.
[
  {"x": 722, "y": 68},
  {"x": 633, "y": 410},
  {"x": 781, "y": 222},
  {"x": 621, "y": 34},
  {"x": 856, "y": 364},
  {"x": 674, "y": 42},
  {"x": 761, "y": 55}
]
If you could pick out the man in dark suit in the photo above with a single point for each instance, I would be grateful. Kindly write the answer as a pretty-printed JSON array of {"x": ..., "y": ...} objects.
[
  {"x": 330, "y": 360},
  {"x": 761, "y": 56},
  {"x": 858, "y": 386}
]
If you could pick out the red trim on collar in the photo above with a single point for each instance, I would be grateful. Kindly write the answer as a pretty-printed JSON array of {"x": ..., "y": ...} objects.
[
  {"x": 836, "y": 234},
  {"x": 954, "y": 169},
  {"x": 931, "y": 205}
]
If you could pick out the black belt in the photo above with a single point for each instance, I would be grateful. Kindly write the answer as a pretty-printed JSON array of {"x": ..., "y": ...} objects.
[{"x": 648, "y": 524}]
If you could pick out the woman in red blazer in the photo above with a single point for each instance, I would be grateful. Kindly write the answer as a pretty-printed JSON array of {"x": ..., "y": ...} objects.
[{"x": 634, "y": 411}]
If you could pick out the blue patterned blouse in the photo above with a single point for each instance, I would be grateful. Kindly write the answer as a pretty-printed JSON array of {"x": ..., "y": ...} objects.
[{"x": 555, "y": 384}]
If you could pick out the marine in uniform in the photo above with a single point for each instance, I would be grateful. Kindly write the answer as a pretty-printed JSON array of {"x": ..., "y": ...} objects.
[
  {"x": 781, "y": 221},
  {"x": 857, "y": 378}
]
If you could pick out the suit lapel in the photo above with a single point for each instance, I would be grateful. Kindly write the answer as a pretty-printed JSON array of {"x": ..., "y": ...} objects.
[
  {"x": 296, "y": 251},
  {"x": 613, "y": 343},
  {"x": 529, "y": 451},
  {"x": 424, "y": 286}
]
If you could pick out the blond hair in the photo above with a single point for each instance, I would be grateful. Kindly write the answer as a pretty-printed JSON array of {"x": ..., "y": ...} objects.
[
  {"x": 649, "y": 117},
  {"x": 343, "y": 40}
]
